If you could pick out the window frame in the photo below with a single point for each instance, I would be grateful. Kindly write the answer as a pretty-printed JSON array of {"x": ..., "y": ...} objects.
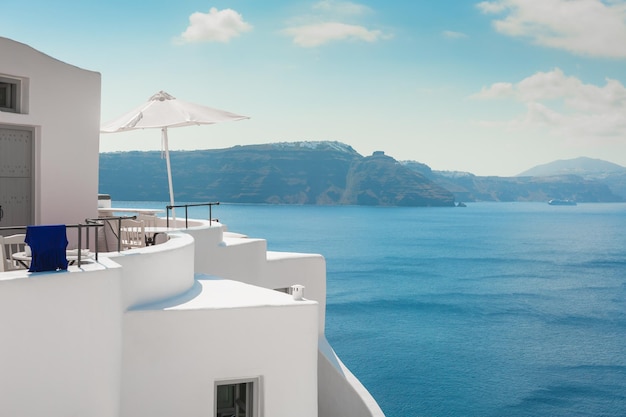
[
  {"x": 12, "y": 88},
  {"x": 253, "y": 387}
]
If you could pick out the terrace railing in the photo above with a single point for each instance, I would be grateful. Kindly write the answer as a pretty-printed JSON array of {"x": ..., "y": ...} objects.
[
  {"x": 79, "y": 227},
  {"x": 86, "y": 227},
  {"x": 102, "y": 221},
  {"x": 186, "y": 206}
]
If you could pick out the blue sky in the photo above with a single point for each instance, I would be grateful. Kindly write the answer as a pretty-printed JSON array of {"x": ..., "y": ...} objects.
[{"x": 490, "y": 87}]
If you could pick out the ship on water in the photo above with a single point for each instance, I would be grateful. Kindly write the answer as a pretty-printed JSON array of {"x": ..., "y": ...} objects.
[{"x": 557, "y": 202}]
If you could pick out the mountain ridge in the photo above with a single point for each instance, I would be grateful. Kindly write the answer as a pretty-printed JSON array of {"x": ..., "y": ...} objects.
[
  {"x": 583, "y": 166},
  {"x": 329, "y": 173},
  {"x": 581, "y": 179},
  {"x": 333, "y": 173}
]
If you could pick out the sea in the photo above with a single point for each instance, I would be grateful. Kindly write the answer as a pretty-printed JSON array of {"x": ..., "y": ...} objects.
[{"x": 494, "y": 309}]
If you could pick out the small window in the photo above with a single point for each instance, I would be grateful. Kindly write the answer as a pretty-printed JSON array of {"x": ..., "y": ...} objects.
[
  {"x": 10, "y": 95},
  {"x": 237, "y": 398}
]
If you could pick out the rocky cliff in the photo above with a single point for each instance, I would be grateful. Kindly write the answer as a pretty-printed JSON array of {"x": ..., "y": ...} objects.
[
  {"x": 280, "y": 173},
  {"x": 334, "y": 173}
]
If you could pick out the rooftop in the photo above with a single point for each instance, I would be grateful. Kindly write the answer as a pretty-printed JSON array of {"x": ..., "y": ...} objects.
[{"x": 211, "y": 292}]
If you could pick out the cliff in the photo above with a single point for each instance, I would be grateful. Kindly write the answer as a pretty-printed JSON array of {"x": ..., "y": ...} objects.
[
  {"x": 282, "y": 173},
  {"x": 332, "y": 173}
]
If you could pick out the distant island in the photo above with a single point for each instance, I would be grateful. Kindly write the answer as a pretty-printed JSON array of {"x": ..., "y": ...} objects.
[
  {"x": 333, "y": 173},
  {"x": 580, "y": 180}
]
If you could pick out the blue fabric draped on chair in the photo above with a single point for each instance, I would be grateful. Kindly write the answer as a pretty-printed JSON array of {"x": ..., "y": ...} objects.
[{"x": 48, "y": 244}]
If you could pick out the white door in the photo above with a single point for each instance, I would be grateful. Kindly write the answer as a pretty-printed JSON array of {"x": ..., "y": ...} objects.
[{"x": 16, "y": 177}]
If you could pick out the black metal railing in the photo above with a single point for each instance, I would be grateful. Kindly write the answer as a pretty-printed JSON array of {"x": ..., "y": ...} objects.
[
  {"x": 101, "y": 221},
  {"x": 186, "y": 206},
  {"x": 87, "y": 226},
  {"x": 79, "y": 227}
]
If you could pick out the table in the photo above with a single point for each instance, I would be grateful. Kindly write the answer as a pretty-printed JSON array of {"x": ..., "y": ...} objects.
[
  {"x": 149, "y": 216},
  {"x": 71, "y": 255}
]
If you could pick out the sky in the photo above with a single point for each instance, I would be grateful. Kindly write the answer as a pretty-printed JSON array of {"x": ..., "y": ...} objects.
[{"x": 488, "y": 87}]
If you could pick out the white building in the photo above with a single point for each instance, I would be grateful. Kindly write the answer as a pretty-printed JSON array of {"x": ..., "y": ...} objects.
[{"x": 189, "y": 327}]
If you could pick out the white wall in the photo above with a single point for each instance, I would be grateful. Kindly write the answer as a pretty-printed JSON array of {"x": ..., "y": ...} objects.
[
  {"x": 173, "y": 358},
  {"x": 60, "y": 346},
  {"x": 247, "y": 260},
  {"x": 156, "y": 272},
  {"x": 285, "y": 269},
  {"x": 64, "y": 110},
  {"x": 240, "y": 259},
  {"x": 69, "y": 347},
  {"x": 340, "y": 392}
]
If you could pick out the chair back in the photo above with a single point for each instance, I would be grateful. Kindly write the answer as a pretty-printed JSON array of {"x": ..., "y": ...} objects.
[
  {"x": 147, "y": 219},
  {"x": 133, "y": 234},
  {"x": 10, "y": 245}
]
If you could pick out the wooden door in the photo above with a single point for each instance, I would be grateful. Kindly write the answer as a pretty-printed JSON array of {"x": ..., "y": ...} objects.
[{"x": 16, "y": 176}]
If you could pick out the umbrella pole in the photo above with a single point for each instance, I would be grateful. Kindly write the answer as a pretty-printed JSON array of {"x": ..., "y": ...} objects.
[{"x": 169, "y": 172}]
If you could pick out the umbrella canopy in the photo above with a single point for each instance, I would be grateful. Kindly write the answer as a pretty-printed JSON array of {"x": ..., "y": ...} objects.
[{"x": 163, "y": 111}]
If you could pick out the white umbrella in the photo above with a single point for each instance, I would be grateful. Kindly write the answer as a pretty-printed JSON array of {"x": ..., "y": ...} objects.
[{"x": 163, "y": 111}]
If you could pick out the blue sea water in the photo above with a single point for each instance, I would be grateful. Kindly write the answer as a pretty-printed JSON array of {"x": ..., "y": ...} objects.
[{"x": 496, "y": 309}]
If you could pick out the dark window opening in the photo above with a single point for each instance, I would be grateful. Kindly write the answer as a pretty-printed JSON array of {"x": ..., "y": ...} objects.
[
  {"x": 235, "y": 400},
  {"x": 9, "y": 95}
]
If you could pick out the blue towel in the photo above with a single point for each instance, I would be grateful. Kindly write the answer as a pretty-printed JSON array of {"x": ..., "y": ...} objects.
[{"x": 47, "y": 244}]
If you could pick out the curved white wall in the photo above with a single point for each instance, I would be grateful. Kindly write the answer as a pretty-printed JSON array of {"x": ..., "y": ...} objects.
[
  {"x": 196, "y": 347},
  {"x": 340, "y": 392},
  {"x": 156, "y": 272}
]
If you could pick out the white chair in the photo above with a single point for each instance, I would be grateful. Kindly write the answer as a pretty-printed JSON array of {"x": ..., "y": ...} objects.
[
  {"x": 133, "y": 234},
  {"x": 149, "y": 220},
  {"x": 10, "y": 245},
  {"x": 152, "y": 236}
]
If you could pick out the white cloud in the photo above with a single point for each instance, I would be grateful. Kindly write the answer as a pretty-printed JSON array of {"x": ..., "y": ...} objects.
[
  {"x": 491, "y": 6},
  {"x": 565, "y": 105},
  {"x": 497, "y": 90},
  {"x": 341, "y": 8},
  {"x": 332, "y": 20},
  {"x": 585, "y": 27},
  {"x": 453, "y": 35},
  {"x": 215, "y": 26},
  {"x": 318, "y": 34}
]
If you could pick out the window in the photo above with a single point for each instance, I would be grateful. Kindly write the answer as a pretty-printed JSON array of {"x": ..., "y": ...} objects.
[
  {"x": 10, "y": 94},
  {"x": 237, "y": 398}
]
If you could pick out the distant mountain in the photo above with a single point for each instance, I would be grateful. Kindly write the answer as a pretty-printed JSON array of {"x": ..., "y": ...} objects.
[
  {"x": 279, "y": 173},
  {"x": 582, "y": 180},
  {"x": 584, "y": 167},
  {"x": 332, "y": 173},
  {"x": 608, "y": 173},
  {"x": 566, "y": 187}
]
